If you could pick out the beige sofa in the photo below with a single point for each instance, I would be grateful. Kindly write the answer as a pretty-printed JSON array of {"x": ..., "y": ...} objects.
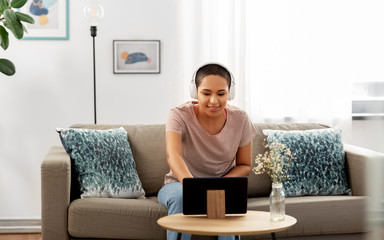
[{"x": 66, "y": 216}]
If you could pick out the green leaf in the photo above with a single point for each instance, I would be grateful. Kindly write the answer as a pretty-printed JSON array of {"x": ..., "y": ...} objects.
[
  {"x": 7, "y": 67},
  {"x": 24, "y": 17},
  {"x": 10, "y": 15},
  {"x": 16, "y": 28},
  {"x": 24, "y": 28},
  {"x": 18, "y": 3},
  {"x": 4, "y": 39},
  {"x": 3, "y": 5}
]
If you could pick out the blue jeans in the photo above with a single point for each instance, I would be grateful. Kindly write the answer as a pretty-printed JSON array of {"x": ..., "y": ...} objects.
[{"x": 171, "y": 196}]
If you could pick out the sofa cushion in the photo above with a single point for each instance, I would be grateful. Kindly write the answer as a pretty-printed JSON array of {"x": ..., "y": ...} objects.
[
  {"x": 103, "y": 161},
  {"x": 319, "y": 166},
  {"x": 148, "y": 149},
  {"x": 260, "y": 185},
  {"x": 116, "y": 218},
  {"x": 317, "y": 215}
]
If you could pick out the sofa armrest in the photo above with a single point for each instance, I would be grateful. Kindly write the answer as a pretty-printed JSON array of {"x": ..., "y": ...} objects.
[
  {"x": 358, "y": 160},
  {"x": 55, "y": 194}
]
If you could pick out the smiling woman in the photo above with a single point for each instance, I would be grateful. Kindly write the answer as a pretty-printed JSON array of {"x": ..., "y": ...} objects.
[{"x": 206, "y": 138}]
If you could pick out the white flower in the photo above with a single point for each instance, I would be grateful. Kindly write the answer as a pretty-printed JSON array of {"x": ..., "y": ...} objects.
[{"x": 275, "y": 161}]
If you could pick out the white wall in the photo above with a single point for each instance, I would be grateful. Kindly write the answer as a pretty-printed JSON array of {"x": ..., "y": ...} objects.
[{"x": 53, "y": 87}]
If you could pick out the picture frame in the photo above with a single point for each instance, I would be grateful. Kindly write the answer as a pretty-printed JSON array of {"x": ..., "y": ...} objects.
[
  {"x": 51, "y": 20},
  {"x": 136, "y": 56}
]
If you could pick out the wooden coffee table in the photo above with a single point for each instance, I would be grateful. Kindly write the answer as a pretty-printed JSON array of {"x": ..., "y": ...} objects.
[{"x": 254, "y": 222}]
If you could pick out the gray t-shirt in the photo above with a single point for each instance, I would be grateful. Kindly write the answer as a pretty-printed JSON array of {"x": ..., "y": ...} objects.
[{"x": 209, "y": 155}]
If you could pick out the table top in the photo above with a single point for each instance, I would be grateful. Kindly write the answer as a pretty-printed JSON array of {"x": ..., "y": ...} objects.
[{"x": 254, "y": 222}]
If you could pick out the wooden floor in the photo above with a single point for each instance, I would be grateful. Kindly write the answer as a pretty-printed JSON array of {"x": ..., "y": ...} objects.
[{"x": 24, "y": 236}]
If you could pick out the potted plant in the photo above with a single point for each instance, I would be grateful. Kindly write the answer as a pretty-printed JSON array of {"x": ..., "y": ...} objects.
[{"x": 11, "y": 20}]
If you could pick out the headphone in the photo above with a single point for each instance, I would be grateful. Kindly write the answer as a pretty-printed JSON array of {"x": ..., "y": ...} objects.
[{"x": 193, "y": 88}]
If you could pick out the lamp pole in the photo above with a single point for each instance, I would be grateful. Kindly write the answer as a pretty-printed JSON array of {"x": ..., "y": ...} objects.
[
  {"x": 94, "y": 12},
  {"x": 93, "y": 34}
]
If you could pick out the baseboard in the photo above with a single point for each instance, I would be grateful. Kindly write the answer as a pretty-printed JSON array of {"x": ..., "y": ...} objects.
[{"x": 20, "y": 225}]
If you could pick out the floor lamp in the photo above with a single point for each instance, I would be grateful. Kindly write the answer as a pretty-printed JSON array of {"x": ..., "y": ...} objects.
[{"x": 94, "y": 12}]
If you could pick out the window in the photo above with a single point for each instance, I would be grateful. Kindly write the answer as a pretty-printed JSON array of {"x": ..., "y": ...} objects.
[{"x": 368, "y": 100}]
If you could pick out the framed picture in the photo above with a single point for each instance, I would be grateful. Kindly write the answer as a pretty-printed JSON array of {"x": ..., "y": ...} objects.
[
  {"x": 136, "y": 56},
  {"x": 51, "y": 19}
]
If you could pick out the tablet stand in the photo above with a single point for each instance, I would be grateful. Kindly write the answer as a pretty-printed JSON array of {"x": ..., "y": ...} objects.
[{"x": 216, "y": 204}]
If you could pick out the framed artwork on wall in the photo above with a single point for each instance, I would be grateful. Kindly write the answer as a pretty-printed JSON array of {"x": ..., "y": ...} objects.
[
  {"x": 51, "y": 19},
  {"x": 136, "y": 56}
]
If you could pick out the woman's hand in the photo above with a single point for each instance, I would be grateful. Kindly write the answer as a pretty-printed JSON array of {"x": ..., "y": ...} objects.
[
  {"x": 174, "y": 149},
  {"x": 243, "y": 162}
]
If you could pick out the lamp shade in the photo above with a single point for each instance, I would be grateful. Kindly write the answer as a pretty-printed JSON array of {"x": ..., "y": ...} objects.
[{"x": 93, "y": 12}]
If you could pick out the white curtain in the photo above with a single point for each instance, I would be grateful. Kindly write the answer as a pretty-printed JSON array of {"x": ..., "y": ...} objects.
[
  {"x": 214, "y": 31},
  {"x": 293, "y": 61}
]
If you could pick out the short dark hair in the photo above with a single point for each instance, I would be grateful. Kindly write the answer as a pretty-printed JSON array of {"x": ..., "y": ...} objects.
[{"x": 212, "y": 69}]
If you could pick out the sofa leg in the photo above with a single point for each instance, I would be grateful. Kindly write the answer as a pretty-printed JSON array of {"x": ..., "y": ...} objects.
[{"x": 273, "y": 235}]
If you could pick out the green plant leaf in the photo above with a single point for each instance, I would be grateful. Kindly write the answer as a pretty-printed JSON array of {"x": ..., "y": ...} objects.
[
  {"x": 24, "y": 17},
  {"x": 4, "y": 39},
  {"x": 16, "y": 28},
  {"x": 10, "y": 15},
  {"x": 1, "y": 9},
  {"x": 24, "y": 28},
  {"x": 7, "y": 67},
  {"x": 18, "y": 3},
  {"x": 3, "y": 5}
]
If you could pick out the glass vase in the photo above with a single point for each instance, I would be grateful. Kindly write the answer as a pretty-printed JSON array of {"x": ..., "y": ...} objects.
[{"x": 277, "y": 202}]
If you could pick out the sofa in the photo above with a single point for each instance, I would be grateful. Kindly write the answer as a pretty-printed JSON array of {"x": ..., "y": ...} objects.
[{"x": 67, "y": 216}]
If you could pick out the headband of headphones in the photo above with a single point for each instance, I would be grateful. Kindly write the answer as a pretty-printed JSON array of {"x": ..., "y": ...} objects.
[{"x": 193, "y": 87}]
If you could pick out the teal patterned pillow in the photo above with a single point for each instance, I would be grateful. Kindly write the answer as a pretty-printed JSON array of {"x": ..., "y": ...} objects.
[
  {"x": 319, "y": 167},
  {"x": 104, "y": 162}
]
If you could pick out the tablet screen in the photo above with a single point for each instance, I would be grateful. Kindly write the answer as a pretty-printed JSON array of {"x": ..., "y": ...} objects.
[{"x": 195, "y": 194}]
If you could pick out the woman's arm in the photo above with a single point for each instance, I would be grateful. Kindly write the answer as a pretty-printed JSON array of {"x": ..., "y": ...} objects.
[
  {"x": 243, "y": 162},
  {"x": 174, "y": 156}
]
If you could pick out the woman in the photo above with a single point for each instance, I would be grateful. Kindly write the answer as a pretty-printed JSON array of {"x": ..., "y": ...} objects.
[{"x": 206, "y": 138}]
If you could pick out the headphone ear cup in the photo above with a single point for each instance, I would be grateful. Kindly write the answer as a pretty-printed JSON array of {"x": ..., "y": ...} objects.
[
  {"x": 232, "y": 90},
  {"x": 231, "y": 94},
  {"x": 193, "y": 90}
]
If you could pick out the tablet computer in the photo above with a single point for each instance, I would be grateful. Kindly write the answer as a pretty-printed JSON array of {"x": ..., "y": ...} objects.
[{"x": 195, "y": 194}]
